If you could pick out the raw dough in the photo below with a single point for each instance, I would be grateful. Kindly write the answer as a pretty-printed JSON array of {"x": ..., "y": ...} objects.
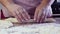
[
  {"x": 29, "y": 21},
  {"x": 5, "y": 24},
  {"x": 50, "y": 20},
  {"x": 13, "y": 20}
]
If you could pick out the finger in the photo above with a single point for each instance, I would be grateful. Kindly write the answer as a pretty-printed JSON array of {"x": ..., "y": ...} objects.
[
  {"x": 19, "y": 20},
  {"x": 24, "y": 14},
  {"x": 27, "y": 15},
  {"x": 35, "y": 15},
  {"x": 43, "y": 17},
  {"x": 42, "y": 20},
  {"x": 39, "y": 16},
  {"x": 18, "y": 16}
]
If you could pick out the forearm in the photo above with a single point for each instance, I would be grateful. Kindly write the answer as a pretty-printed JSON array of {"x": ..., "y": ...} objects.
[
  {"x": 5, "y": 2},
  {"x": 43, "y": 4}
]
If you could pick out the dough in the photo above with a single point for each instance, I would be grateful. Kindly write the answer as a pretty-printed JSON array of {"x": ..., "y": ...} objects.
[
  {"x": 50, "y": 20},
  {"x": 13, "y": 20},
  {"x": 30, "y": 21},
  {"x": 5, "y": 24}
]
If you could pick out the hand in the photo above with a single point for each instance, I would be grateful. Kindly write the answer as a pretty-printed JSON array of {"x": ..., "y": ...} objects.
[
  {"x": 39, "y": 15},
  {"x": 19, "y": 12}
]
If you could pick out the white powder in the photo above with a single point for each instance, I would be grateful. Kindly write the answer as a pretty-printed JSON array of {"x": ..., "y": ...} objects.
[{"x": 46, "y": 28}]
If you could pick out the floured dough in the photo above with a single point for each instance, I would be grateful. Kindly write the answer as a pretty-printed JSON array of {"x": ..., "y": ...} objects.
[
  {"x": 5, "y": 24},
  {"x": 50, "y": 20},
  {"x": 13, "y": 20},
  {"x": 29, "y": 21}
]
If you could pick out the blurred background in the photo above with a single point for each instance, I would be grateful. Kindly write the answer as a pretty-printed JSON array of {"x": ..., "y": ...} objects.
[{"x": 56, "y": 8}]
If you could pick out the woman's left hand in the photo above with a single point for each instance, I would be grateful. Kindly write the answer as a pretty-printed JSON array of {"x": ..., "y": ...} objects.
[{"x": 39, "y": 15}]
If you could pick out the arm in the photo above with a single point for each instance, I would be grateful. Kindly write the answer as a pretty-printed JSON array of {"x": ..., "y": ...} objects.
[
  {"x": 16, "y": 10},
  {"x": 6, "y": 2},
  {"x": 39, "y": 8},
  {"x": 43, "y": 4}
]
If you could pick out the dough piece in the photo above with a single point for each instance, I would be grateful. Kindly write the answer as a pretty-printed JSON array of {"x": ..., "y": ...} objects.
[
  {"x": 50, "y": 20},
  {"x": 5, "y": 24},
  {"x": 13, "y": 20},
  {"x": 29, "y": 21}
]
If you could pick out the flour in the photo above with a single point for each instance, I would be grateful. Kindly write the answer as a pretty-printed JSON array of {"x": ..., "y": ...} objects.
[
  {"x": 46, "y": 28},
  {"x": 5, "y": 24}
]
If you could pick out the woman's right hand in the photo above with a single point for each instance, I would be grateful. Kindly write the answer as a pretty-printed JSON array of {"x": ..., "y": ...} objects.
[{"x": 19, "y": 12}]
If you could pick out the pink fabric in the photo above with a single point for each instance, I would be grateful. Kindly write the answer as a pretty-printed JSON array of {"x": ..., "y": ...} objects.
[
  {"x": 30, "y": 6},
  {"x": 27, "y": 4}
]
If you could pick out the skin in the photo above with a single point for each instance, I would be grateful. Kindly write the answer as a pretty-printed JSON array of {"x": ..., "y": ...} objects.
[
  {"x": 39, "y": 15},
  {"x": 16, "y": 10},
  {"x": 21, "y": 15}
]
